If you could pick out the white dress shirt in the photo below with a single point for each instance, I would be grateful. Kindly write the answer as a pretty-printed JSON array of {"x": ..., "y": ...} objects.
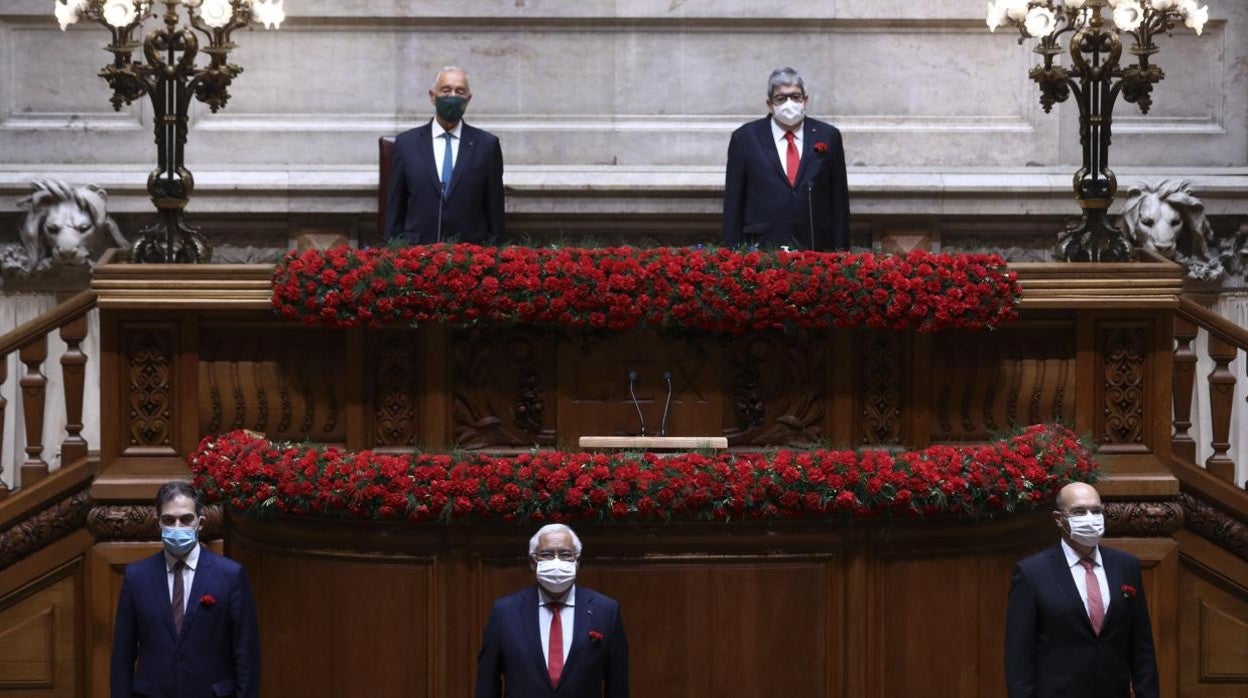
[
  {"x": 1080, "y": 574},
  {"x": 567, "y": 616},
  {"x": 782, "y": 144},
  {"x": 188, "y": 574},
  {"x": 439, "y": 144}
]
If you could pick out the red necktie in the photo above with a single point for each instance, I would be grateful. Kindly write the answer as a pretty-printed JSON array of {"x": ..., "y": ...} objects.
[
  {"x": 178, "y": 597},
  {"x": 554, "y": 657},
  {"x": 792, "y": 158},
  {"x": 1096, "y": 609}
]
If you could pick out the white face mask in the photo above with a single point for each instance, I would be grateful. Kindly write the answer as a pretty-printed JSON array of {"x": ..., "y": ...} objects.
[
  {"x": 1087, "y": 529},
  {"x": 556, "y": 576},
  {"x": 790, "y": 113}
]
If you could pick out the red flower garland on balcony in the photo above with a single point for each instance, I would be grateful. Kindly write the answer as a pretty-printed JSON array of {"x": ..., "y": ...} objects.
[
  {"x": 258, "y": 477},
  {"x": 617, "y": 288}
]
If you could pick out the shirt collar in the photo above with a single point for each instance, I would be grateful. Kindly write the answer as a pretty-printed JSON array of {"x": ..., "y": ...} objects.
[
  {"x": 1073, "y": 558},
  {"x": 438, "y": 130},
  {"x": 192, "y": 559},
  {"x": 777, "y": 131},
  {"x": 543, "y": 598}
]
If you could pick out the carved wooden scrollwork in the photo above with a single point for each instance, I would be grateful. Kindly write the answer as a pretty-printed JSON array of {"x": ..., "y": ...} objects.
[
  {"x": 881, "y": 388},
  {"x": 503, "y": 378},
  {"x": 778, "y": 387},
  {"x": 1124, "y": 385},
  {"x": 150, "y": 357},
  {"x": 1219, "y": 527},
  {"x": 44, "y": 527},
  {"x": 395, "y": 377},
  {"x": 1143, "y": 519},
  {"x": 138, "y": 522}
]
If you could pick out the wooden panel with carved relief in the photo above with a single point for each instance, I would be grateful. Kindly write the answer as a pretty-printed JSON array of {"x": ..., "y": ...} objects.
[
  {"x": 882, "y": 356},
  {"x": 286, "y": 382},
  {"x": 986, "y": 383},
  {"x": 1213, "y": 612},
  {"x": 149, "y": 397},
  {"x": 395, "y": 396},
  {"x": 594, "y": 385},
  {"x": 776, "y": 388},
  {"x": 41, "y": 635},
  {"x": 503, "y": 382},
  {"x": 1122, "y": 409}
]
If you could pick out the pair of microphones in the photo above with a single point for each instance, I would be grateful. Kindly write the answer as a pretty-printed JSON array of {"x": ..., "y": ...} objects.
[{"x": 641, "y": 419}]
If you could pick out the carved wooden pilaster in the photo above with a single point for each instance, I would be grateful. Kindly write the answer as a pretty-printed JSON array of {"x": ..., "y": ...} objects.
[
  {"x": 1123, "y": 407},
  {"x": 44, "y": 527},
  {"x": 138, "y": 522},
  {"x": 395, "y": 389},
  {"x": 881, "y": 388},
  {"x": 149, "y": 371}
]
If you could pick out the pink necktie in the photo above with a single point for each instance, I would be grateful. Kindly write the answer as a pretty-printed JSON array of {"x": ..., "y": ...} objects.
[
  {"x": 791, "y": 160},
  {"x": 1096, "y": 609},
  {"x": 554, "y": 657}
]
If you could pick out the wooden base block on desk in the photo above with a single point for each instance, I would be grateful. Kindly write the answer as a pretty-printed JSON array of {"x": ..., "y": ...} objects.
[{"x": 655, "y": 443}]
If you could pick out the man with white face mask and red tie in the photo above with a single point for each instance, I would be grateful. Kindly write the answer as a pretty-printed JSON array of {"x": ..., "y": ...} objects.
[
  {"x": 1077, "y": 625},
  {"x": 554, "y": 638},
  {"x": 785, "y": 183}
]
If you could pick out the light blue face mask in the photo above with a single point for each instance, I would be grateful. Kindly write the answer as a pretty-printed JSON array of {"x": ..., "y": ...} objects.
[{"x": 178, "y": 541}]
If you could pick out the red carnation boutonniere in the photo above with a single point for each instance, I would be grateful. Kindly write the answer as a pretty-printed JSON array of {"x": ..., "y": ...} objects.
[
  {"x": 821, "y": 147},
  {"x": 207, "y": 601},
  {"x": 1128, "y": 591},
  {"x": 595, "y": 637}
]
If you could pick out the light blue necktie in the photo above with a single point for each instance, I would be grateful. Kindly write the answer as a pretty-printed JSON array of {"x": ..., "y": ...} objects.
[{"x": 448, "y": 165}]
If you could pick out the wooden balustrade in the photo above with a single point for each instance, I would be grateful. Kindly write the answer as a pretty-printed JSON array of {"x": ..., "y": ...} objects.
[
  {"x": 30, "y": 341},
  {"x": 1225, "y": 341}
]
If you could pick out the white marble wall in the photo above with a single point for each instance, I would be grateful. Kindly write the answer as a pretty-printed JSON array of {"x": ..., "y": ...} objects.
[{"x": 620, "y": 95}]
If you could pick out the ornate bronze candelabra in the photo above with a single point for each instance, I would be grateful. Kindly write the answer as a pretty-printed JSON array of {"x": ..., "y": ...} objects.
[
  {"x": 1096, "y": 78},
  {"x": 170, "y": 76}
]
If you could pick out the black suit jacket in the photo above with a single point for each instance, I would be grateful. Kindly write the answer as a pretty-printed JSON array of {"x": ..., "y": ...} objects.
[
  {"x": 473, "y": 208},
  {"x": 1050, "y": 649},
  {"x": 511, "y": 662},
  {"x": 216, "y": 654},
  {"x": 761, "y": 207}
]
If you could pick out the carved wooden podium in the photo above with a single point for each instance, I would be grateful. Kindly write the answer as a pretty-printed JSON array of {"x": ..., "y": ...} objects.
[{"x": 810, "y": 608}]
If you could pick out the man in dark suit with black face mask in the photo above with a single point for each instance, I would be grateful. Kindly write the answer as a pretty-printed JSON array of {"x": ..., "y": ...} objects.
[
  {"x": 785, "y": 183},
  {"x": 447, "y": 176}
]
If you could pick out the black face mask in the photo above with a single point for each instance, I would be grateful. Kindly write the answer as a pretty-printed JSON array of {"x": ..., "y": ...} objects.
[{"x": 451, "y": 107}]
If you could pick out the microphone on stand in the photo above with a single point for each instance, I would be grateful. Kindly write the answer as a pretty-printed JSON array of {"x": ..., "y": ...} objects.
[
  {"x": 441, "y": 205},
  {"x": 810, "y": 211},
  {"x": 632, "y": 379},
  {"x": 667, "y": 376}
]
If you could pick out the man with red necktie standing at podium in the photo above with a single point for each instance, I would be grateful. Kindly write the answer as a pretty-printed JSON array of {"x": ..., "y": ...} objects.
[
  {"x": 785, "y": 184},
  {"x": 554, "y": 639},
  {"x": 1077, "y": 625}
]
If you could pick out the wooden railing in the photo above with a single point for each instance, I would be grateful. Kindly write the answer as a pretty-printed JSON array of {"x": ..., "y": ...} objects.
[
  {"x": 1225, "y": 340},
  {"x": 30, "y": 341}
]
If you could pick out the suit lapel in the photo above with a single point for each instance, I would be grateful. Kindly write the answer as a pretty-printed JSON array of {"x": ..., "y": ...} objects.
[
  {"x": 809, "y": 133},
  {"x": 532, "y": 634},
  {"x": 466, "y": 142},
  {"x": 159, "y": 577},
  {"x": 582, "y": 622},
  {"x": 424, "y": 145},
  {"x": 1114, "y": 577},
  {"x": 770, "y": 154},
  {"x": 1062, "y": 576},
  {"x": 202, "y": 578}
]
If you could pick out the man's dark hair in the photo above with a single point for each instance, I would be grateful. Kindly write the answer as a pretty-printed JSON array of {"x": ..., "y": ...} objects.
[{"x": 178, "y": 488}]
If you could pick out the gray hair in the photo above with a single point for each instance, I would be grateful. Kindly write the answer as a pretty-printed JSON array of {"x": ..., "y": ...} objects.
[
  {"x": 554, "y": 528},
  {"x": 783, "y": 77},
  {"x": 448, "y": 69}
]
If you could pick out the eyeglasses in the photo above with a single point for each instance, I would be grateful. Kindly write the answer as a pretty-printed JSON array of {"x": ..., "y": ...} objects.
[
  {"x": 779, "y": 99},
  {"x": 548, "y": 555},
  {"x": 171, "y": 520}
]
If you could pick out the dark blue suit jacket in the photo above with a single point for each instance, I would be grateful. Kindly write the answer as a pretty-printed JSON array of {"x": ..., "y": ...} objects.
[
  {"x": 1050, "y": 649},
  {"x": 218, "y": 651},
  {"x": 761, "y": 207},
  {"x": 511, "y": 662},
  {"x": 473, "y": 208}
]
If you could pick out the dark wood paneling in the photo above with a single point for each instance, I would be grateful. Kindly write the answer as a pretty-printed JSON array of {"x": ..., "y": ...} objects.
[
  {"x": 41, "y": 635},
  {"x": 1213, "y": 632}
]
